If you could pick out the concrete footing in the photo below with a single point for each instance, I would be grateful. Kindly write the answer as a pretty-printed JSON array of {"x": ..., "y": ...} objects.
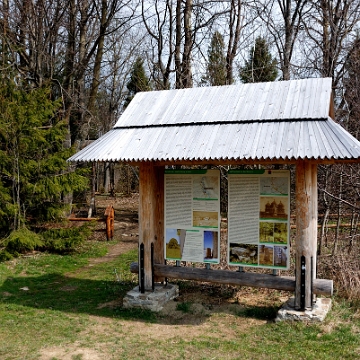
[
  {"x": 151, "y": 300},
  {"x": 317, "y": 314}
]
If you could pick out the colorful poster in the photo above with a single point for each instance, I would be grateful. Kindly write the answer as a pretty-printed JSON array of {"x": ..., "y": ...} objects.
[
  {"x": 259, "y": 218},
  {"x": 192, "y": 215}
]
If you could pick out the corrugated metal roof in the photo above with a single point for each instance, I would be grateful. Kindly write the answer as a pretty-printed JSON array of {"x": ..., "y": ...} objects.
[
  {"x": 281, "y": 100},
  {"x": 254, "y": 140},
  {"x": 286, "y": 120}
]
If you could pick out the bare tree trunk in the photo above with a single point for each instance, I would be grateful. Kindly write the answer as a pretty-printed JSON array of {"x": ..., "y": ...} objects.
[
  {"x": 178, "y": 80},
  {"x": 353, "y": 233},
  {"x": 80, "y": 75},
  {"x": 4, "y": 46},
  {"x": 92, "y": 207},
  {"x": 112, "y": 179},
  {"x": 106, "y": 176},
  {"x": 325, "y": 38},
  {"x": 16, "y": 192},
  {"x": 98, "y": 58},
  {"x": 128, "y": 180},
  {"x": 292, "y": 15},
  {"x": 234, "y": 36},
  {"x": 186, "y": 72},
  {"x": 69, "y": 71},
  {"x": 323, "y": 231},
  {"x": 338, "y": 223}
]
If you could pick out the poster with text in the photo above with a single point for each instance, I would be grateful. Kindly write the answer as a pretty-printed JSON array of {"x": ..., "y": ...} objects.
[
  {"x": 192, "y": 215},
  {"x": 259, "y": 218}
]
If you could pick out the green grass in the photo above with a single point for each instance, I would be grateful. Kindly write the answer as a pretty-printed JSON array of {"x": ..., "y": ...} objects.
[
  {"x": 184, "y": 306},
  {"x": 53, "y": 301}
]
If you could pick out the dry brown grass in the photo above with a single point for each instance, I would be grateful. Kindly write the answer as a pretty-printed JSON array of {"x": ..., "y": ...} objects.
[{"x": 344, "y": 270}]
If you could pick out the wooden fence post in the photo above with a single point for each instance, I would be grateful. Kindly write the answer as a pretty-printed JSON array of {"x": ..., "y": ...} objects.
[{"x": 306, "y": 233}]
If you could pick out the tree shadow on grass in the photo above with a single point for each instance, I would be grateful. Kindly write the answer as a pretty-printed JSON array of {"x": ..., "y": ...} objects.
[
  {"x": 102, "y": 298},
  {"x": 72, "y": 295}
]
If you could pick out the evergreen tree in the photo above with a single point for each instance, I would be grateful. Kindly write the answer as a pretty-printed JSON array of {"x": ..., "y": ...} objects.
[
  {"x": 33, "y": 168},
  {"x": 216, "y": 66},
  {"x": 260, "y": 66},
  {"x": 138, "y": 81}
]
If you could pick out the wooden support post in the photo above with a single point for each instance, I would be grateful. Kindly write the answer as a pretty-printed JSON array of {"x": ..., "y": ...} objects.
[
  {"x": 92, "y": 207},
  {"x": 147, "y": 211},
  {"x": 159, "y": 219},
  {"x": 306, "y": 232},
  {"x": 314, "y": 220}
]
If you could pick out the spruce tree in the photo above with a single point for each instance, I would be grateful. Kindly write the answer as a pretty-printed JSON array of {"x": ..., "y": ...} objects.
[
  {"x": 33, "y": 168},
  {"x": 138, "y": 81},
  {"x": 216, "y": 66},
  {"x": 260, "y": 66}
]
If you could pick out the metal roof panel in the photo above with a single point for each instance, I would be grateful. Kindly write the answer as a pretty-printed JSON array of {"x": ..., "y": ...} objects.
[
  {"x": 270, "y": 101},
  {"x": 275, "y": 120},
  {"x": 280, "y": 140}
]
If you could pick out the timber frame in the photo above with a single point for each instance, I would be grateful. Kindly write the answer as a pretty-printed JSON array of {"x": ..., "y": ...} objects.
[
  {"x": 151, "y": 234},
  {"x": 274, "y": 123}
]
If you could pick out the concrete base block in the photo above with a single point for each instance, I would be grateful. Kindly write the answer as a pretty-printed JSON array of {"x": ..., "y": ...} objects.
[
  {"x": 316, "y": 314},
  {"x": 151, "y": 300}
]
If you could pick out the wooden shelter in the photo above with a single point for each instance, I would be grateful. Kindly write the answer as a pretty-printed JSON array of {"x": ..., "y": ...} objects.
[{"x": 288, "y": 122}]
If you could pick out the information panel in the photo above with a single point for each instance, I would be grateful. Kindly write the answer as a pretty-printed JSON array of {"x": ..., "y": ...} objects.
[
  {"x": 259, "y": 218},
  {"x": 192, "y": 215}
]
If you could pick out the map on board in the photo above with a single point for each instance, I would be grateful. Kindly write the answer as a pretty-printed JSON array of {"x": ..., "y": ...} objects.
[
  {"x": 274, "y": 186},
  {"x": 205, "y": 187}
]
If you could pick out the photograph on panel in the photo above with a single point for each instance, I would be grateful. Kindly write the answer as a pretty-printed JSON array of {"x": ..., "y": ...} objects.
[
  {"x": 246, "y": 254},
  {"x": 174, "y": 243},
  {"x": 280, "y": 256},
  {"x": 273, "y": 232},
  {"x": 266, "y": 255},
  {"x": 211, "y": 245},
  {"x": 274, "y": 207},
  {"x": 205, "y": 219}
]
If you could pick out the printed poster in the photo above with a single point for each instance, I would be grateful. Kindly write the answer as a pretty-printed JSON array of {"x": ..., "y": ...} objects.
[
  {"x": 259, "y": 218},
  {"x": 192, "y": 215}
]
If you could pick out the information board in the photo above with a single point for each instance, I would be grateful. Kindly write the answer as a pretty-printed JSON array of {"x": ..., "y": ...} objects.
[
  {"x": 192, "y": 215},
  {"x": 259, "y": 218}
]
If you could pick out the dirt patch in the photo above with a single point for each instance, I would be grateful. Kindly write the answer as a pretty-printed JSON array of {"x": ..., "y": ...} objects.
[
  {"x": 71, "y": 352},
  {"x": 114, "y": 251}
]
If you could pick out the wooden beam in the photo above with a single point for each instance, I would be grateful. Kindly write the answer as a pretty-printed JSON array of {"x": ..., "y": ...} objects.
[
  {"x": 306, "y": 232},
  {"x": 147, "y": 211},
  {"x": 159, "y": 219},
  {"x": 287, "y": 283},
  {"x": 314, "y": 219},
  {"x": 224, "y": 162}
]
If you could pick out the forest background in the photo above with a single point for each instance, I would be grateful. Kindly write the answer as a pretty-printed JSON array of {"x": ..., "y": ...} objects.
[{"x": 69, "y": 68}]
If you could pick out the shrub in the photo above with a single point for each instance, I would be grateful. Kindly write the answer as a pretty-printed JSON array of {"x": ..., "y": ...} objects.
[
  {"x": 64, "y": 240},
  {"x": 22, "y": 241},
  {"x": 5, "y": 256},
  {"x": 54, "y": 240}
]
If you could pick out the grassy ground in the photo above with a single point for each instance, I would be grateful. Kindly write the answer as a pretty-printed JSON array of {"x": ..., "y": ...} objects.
[{"x": 70, "y": 308}]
